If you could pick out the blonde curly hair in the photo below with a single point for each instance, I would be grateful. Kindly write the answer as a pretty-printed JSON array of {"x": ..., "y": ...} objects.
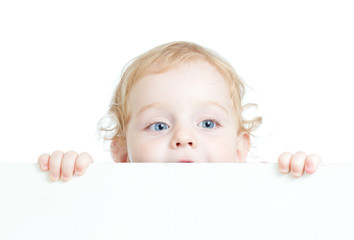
[{"x": 161, "y": 59}]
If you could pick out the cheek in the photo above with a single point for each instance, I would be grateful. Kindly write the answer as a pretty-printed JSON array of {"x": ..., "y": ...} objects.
[
  {"x": 141, "y": 149},
  {"x": 221, "y": 150}
]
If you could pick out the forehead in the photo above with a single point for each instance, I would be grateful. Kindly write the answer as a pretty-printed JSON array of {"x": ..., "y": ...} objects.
[{"x": 182, "y": 84}]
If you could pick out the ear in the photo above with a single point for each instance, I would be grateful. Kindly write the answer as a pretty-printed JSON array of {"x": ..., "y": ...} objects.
[
  {"x": 243, "y": 146},
  {"x": 118, "y": 151}
]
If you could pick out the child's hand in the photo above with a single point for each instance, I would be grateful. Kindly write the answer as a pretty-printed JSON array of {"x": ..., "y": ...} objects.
[
  {"x": 298, "y": 163},
  {"x": 64, "y": 165}
]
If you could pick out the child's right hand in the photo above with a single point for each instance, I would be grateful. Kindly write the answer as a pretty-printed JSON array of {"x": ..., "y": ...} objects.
[{"x": 63, "y": 166}]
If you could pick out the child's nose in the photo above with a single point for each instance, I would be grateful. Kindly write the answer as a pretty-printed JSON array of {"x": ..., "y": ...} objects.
[{"x": 183, "y": 138}]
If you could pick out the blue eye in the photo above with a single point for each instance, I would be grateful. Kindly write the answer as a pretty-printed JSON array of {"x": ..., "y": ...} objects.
[
  {"x": 158, "y": 126},
  {"x": 208, "y": 124}
]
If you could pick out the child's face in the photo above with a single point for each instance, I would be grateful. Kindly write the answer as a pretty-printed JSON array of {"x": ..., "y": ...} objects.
[{"x": 184, "y": 115}]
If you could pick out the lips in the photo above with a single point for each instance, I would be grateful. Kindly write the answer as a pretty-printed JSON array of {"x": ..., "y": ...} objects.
[{"x": 185, "y": 161}]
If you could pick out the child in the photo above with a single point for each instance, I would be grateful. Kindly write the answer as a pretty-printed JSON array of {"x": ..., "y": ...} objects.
[{"x": 178, "y": 102}]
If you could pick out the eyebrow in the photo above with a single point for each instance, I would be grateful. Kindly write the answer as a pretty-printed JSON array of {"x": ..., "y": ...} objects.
[
  {"x": 215, "y": 104},
  {"x": 156, "y": 104},
  {"x": 152, "y": 105}
]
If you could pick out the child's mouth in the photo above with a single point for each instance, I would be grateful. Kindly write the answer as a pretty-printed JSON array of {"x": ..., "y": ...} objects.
[{"x": 185, "y": 161}]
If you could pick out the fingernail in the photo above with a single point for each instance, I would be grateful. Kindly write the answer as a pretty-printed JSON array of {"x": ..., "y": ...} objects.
[
  {"x": 53, "y": 177},
  {"x": 309, "y": 168},
  {"x": 65, "y": 179},
  {"x": 44, "y": 167},
  {"x": 296, "y": 173}
]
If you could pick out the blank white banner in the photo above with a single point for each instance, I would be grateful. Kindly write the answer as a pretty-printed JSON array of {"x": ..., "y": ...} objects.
[{"x": 177, "y": 201}]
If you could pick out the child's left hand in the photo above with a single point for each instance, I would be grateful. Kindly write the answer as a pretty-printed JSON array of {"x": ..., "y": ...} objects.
[{"x": 298, "y": 163}]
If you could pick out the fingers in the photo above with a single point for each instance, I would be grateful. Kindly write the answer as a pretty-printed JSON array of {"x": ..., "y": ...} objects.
[
  {"x": 82, "y": 163},
  {"x": 298, "y": 163},
  {"x": 67, "y": 165},
  {"x": 43, "y": 161},
  {"x": 64, "y": 165},
  {"x": 312, "y": 163},
  {"x": 284, "y": 162},
  {"x": 55, "y": 165}
]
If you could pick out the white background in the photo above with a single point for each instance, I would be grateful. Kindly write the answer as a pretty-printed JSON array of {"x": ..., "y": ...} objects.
[{"x": 60, "y": 61}]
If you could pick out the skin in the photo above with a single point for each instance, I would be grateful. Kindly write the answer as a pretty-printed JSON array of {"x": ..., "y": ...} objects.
[{"x": 182, "y": 115}]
